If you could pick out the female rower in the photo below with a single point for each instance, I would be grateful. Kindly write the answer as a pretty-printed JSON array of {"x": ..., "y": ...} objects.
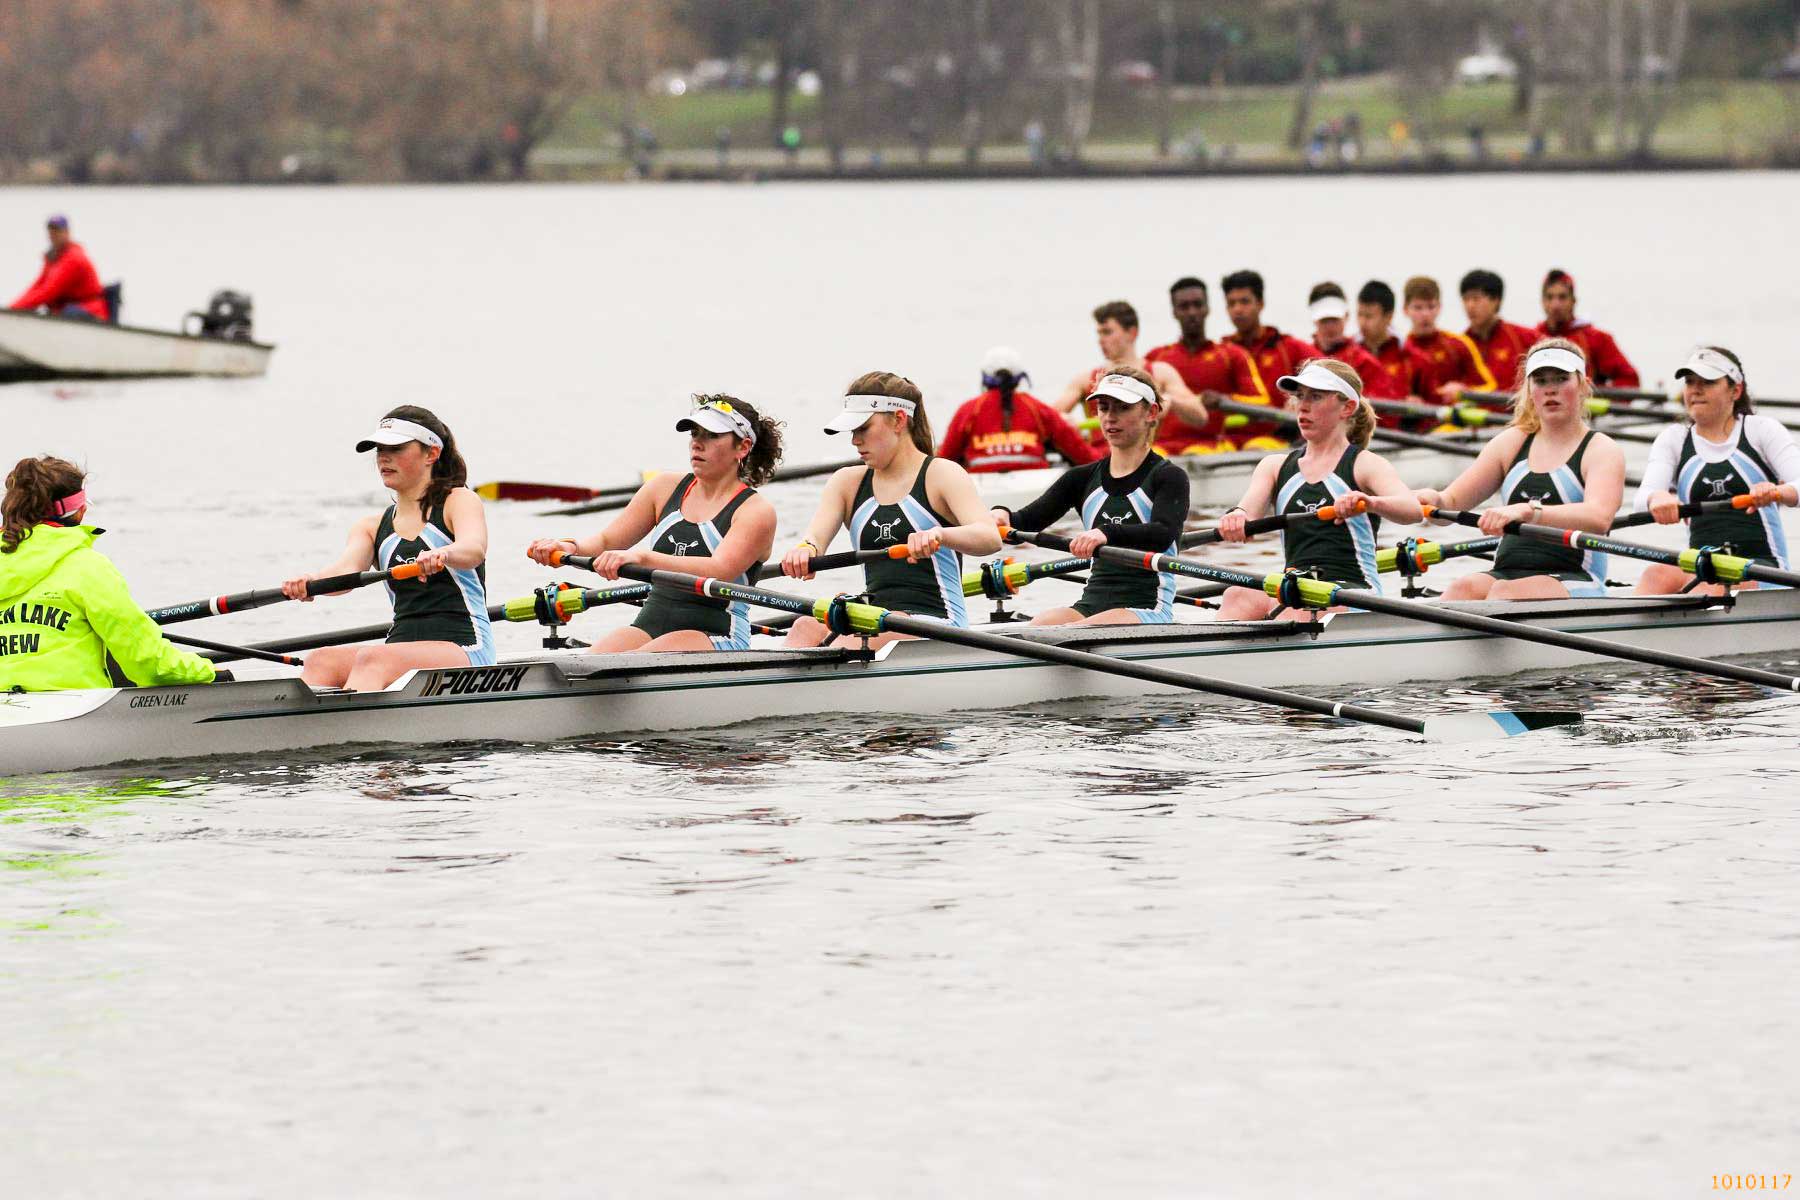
[
  {"x": 1334, "y": 467},
  {"x": 709, "y": 521},
  {"x": 1726, "y": 450},
  {"x": 440, "y": 619},
  {"x": 902, "y": 495},
  {"x": 64, "y": 608},
  {"x": 1133, "y": 498},
  {"x": 1550, "y": 469}
]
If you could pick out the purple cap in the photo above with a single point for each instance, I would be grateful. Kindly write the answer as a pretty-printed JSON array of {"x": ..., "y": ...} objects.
[{"x": 57, "y": 221}]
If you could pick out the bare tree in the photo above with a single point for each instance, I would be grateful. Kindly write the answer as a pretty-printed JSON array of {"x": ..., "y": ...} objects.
[
  {"x": 1311, "y": 18},
  {"x": 1077, "y": 28},
  {"x": 1659, "y": 67}
]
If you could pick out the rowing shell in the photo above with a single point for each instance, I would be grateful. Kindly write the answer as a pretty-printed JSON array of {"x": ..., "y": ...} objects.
[{"x": 578, "y": 695}]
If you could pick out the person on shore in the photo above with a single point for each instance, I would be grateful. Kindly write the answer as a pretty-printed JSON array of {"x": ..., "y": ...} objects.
[
  {"x": 1501, "y": 345},
  {"x": 1451, "y": 360},
  {"x": 1211, "y": 370},
  {"x": 435, "y": 521},
  {"x": 1724, "y": 450},
  {"x": 1549, "y": 468},
  {"x": 1402, "y": 372},
  {"x": 1008, "y": 429},
  {"x": 64, "y": 607},
  {"x": 1329, "y": 309},
  {"x": 1116, "y": 329},
  {"x": 708, "y": 521},
  {"x": 1134, "y": 498},
  {"x": 1272, "y": 352},
  {"x": 1332, "y": 466},
  {"x": 901, "y": 495},
  {"x": 1607, "y": 364},
  {"x": 68, "y": 285}
]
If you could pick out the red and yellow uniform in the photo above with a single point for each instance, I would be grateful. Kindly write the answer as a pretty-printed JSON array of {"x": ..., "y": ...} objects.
[
  {"x": 982, "y": 438},
  {"x": 1503, "y": 351},
  {"x": 1450, "y": 358},
  {"x": 1402, "y": 371},
  {"x": 1607, "y": 364},
  {"x": 1210, "y": 367},
  {"x": 68, "y": 278},
  {"x": 1274, "y": 354},
  {"x": 1360, "y": 360}
]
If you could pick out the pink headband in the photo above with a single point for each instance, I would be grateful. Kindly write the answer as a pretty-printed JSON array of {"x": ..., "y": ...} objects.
[{"x": 70, "y": 504}]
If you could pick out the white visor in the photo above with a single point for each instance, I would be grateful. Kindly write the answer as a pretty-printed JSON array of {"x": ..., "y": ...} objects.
[
  {"x": 858, "y": 410},
  {"x": 1314, "y": 375},
  {"x": 1123, "y": 387},
  {"x": 395, "y": 432},
  {"x": 1555, "y": 358},
  {"x": 1710, "y": 365},
  {"x": 716, "y": 420},
  {"x": 1002, "y": 358},
  {"x": 1327, "y": 307}
]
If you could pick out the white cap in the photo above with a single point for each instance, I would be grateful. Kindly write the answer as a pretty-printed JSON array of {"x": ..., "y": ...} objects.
[
  {"x": 1327, "y": 307},
  {"x": 1315, "y": 375},
  {"x": 1002, "y": 358},
  {"x": 1555, "y": 358},
  {"x": 1123, "y": 387},
  {"x": 718, "y": 416},
  {"x": 1708, "y": 364},
  {"x": 858, "y": 410},
  {"x": 396, "y": 432}
]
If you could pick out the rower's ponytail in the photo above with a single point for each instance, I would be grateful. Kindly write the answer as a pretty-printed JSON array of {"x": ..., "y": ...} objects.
[
  {"x": 886, "y": 383},
  {"x": 32, "y": 489},
  {"x": 449, "y": 472},
  {"x": 1361, "y": 425}
]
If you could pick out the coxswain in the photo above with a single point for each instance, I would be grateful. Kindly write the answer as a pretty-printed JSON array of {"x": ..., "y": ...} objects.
[
  {"x": 709, "y": 521},
  {"x": 1116, "y": 329},
  {"x": 901, "y": 495},
  {"x": 1727, "y": 449},
  {"x": 1329, "y": 310},
  {"x": 1272, "y": 352},
  {"x": 440, "y": 618},
  {"x": 1211, "y": 370},
  {"x": 1549, "y": 469},
  {"x": 1501, "y": 344},
  {"x": 1404, "y": 373},
  {"x": 68, "y": 285},
  {"x": 1007, "y": 428},
  {"x": 1451, "y": 360},
  {"x": 64, "y": 607},
  {"x": 1134, "y": 498},
  {"x": 1607, "y": 364},
  {"x": 1332, "y": 467}
]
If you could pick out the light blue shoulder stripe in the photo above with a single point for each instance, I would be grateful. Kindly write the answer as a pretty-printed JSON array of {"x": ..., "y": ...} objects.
[
  {"x": 1362, "y": 535},
  {"x": 944, "y": 563}
]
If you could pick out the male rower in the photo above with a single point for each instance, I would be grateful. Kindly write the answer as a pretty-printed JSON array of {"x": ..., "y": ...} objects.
[
  {"x": 1403, "y": 373},
  {"x": 1116, "y": 329},
  {"x": 1271, "y": 351},
  {"x": 1329, "y": 309},
  {"x": 1501, "y": 344},
  {"x": 1451, "y": 361},
  {"x": 1212, "y": 370},
  {"x": 68, "y": 285},
  {"x": 1607, "y": 364}
]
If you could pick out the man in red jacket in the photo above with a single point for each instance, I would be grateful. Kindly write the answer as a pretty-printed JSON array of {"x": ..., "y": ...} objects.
[
  {"x": 1403, "y": 373},
  {"x": 1329, "y": 309},
  {"x": 1451, "y": 359},
  {"x": 1271, "y": 351},
  {"x": 68, "y": 286},
  {"x": 1006, "y": 429},
  {"x": 1501, "y": 344},
  {"x": 1607, "y": 364},
  {"x": 1212, "y": 371}
]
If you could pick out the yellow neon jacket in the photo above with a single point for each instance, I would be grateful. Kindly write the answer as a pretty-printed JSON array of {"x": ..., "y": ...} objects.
[{"x": 64, "y": 607}]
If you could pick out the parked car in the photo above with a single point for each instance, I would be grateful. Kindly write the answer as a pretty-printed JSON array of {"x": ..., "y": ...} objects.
[{"x": 1486, "y": 68}]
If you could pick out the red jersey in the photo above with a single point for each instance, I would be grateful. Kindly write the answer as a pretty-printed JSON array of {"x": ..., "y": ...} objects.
[
  {"x": 1274, "y": 354},
  {"x": 1607, "y": 364},
  {"x": 1366, "y": 366},
  {"x": 1212, "y": 367},
  {"x": 1503, "y": 351},
  {"x": 1450, "y": 358},
  {"x": 68, "y": 278},
  {"x": 981, "y": 437},
  {"x": 1401, "y": 372}
]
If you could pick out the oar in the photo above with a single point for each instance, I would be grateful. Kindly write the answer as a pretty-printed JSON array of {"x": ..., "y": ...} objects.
[
  {"x": 229, "y": 653},
  {"x": 1299, "y": 590},
  {"x": 1284, "y": 418},
  {"x": 845, "y": 616},
  {"x": 1706, "y": 565},
  {"x": 193, "y": 610},
  {"x": 621, "y": 497},
  {"x": 512, "y": 489}
]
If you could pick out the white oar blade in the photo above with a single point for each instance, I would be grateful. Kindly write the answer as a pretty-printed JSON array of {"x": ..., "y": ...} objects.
[{"x": 1490, "y": 726}]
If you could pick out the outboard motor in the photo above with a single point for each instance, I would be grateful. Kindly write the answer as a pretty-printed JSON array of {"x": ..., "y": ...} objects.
[{"x": 227, "y": 315}]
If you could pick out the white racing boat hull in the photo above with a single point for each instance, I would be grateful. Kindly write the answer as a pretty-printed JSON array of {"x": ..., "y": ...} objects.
[
  {"x": 42, "y": 347},
  {"x": 575, "y": 695}
]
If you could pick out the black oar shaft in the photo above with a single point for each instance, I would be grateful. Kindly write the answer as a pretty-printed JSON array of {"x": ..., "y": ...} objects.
[
  {"x": 194, "y": 610},
  {"x": 227, "y": 653},
  {"x": 610, "y": 498}
]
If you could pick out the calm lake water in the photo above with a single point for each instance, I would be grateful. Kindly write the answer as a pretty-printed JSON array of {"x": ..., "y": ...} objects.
[{"x": 1153, "y": 949}]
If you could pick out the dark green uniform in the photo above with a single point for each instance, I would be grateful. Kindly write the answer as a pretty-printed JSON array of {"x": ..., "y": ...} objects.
[{"x": 727, "y": 623}]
